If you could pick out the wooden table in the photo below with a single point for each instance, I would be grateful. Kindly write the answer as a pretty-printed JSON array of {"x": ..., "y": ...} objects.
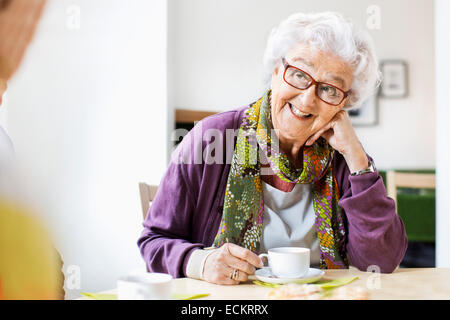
[{"x": 403, "y": 284}]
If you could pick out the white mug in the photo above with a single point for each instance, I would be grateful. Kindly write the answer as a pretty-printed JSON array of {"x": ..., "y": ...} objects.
[
  {"x": 145, "y": 286},
  {"x": 288, "y": 262}
]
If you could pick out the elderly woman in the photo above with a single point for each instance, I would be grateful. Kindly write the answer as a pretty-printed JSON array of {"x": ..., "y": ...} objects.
[{"x": 296, "y": 175}]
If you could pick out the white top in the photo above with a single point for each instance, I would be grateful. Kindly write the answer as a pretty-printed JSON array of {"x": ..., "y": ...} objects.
[
  {"x": 8, "y": 181},
  {"x": 6, "y": 147},
  {"x": 289, "y": 220}
]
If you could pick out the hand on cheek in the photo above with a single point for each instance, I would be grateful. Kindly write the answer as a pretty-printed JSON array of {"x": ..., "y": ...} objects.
[{"x": 341, "y": 135}]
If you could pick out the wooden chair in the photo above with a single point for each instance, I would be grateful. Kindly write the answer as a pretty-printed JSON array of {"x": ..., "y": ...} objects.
[
  {"x": 418, "y": 214},
  {"x": 147, "y": 193},
  {"x": 396, "y": 180}
]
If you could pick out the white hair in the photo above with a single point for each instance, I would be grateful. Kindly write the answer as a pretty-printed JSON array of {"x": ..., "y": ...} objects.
[{"x": 330, "y": 32}]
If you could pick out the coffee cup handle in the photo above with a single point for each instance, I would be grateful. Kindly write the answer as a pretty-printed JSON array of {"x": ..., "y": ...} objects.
[{"x": 264, "y": 255}]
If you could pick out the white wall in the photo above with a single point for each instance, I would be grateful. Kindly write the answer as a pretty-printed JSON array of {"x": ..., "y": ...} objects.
[
  {"x": 87, "y": 112},
  {"x": 442, "y": 12},
  {"x": 217, "y": 64}
]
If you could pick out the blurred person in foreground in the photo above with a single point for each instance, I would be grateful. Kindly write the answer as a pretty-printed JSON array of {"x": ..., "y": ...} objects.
[
  {"x": 30, "y": 267},
  {"x": 293, "y": 172}
]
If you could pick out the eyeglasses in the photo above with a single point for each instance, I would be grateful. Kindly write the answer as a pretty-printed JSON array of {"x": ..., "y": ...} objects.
[{"x": 300, "y": 79}]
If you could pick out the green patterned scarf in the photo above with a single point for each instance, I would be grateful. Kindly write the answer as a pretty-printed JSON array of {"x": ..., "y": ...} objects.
[{"x": 243, "y": 212}]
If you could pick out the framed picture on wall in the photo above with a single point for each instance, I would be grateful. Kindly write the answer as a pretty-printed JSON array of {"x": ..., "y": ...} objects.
[
  {"x": 367, "y": 114},
  {"x": 395, "y": 79}
]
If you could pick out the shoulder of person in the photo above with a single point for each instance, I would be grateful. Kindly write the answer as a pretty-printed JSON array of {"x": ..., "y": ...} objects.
[
  {"x": 26, "y": 241},
  {"x": 223, "y": 120},
  {"x": 222, "y": 126}
]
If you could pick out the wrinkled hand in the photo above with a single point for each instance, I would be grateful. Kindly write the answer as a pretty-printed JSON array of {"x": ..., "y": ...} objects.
[
  {"x": 220, "y": 264},
  {"x": 341, "y": 135}
]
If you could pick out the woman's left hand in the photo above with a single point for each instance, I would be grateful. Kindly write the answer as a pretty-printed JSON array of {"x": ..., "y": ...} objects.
[{"x": 341, "y": 135}]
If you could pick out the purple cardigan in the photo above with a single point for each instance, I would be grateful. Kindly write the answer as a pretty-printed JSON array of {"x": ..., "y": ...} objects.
[{"x": 187, "y": 210}]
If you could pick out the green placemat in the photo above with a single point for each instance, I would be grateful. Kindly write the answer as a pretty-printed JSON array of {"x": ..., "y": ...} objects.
[
  {"x": 323, "y": 283},
  {"x": 99, "y": 296},
  {"x": 176, "y": 296}
]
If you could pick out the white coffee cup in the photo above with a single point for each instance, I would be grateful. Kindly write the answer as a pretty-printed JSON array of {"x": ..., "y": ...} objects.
[
  {"x": 145, "y": 286},
  {"x": 288, "y": 262}
]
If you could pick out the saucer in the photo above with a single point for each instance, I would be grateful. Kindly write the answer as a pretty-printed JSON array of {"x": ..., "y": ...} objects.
[{"x": 265, "y": 275}]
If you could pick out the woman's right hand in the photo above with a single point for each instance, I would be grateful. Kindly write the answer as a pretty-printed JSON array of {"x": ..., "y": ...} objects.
[{"x": 220, "y": 265}]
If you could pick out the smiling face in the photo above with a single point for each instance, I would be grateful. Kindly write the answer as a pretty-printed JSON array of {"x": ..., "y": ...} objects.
[{"x": 298, "y": 114}]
